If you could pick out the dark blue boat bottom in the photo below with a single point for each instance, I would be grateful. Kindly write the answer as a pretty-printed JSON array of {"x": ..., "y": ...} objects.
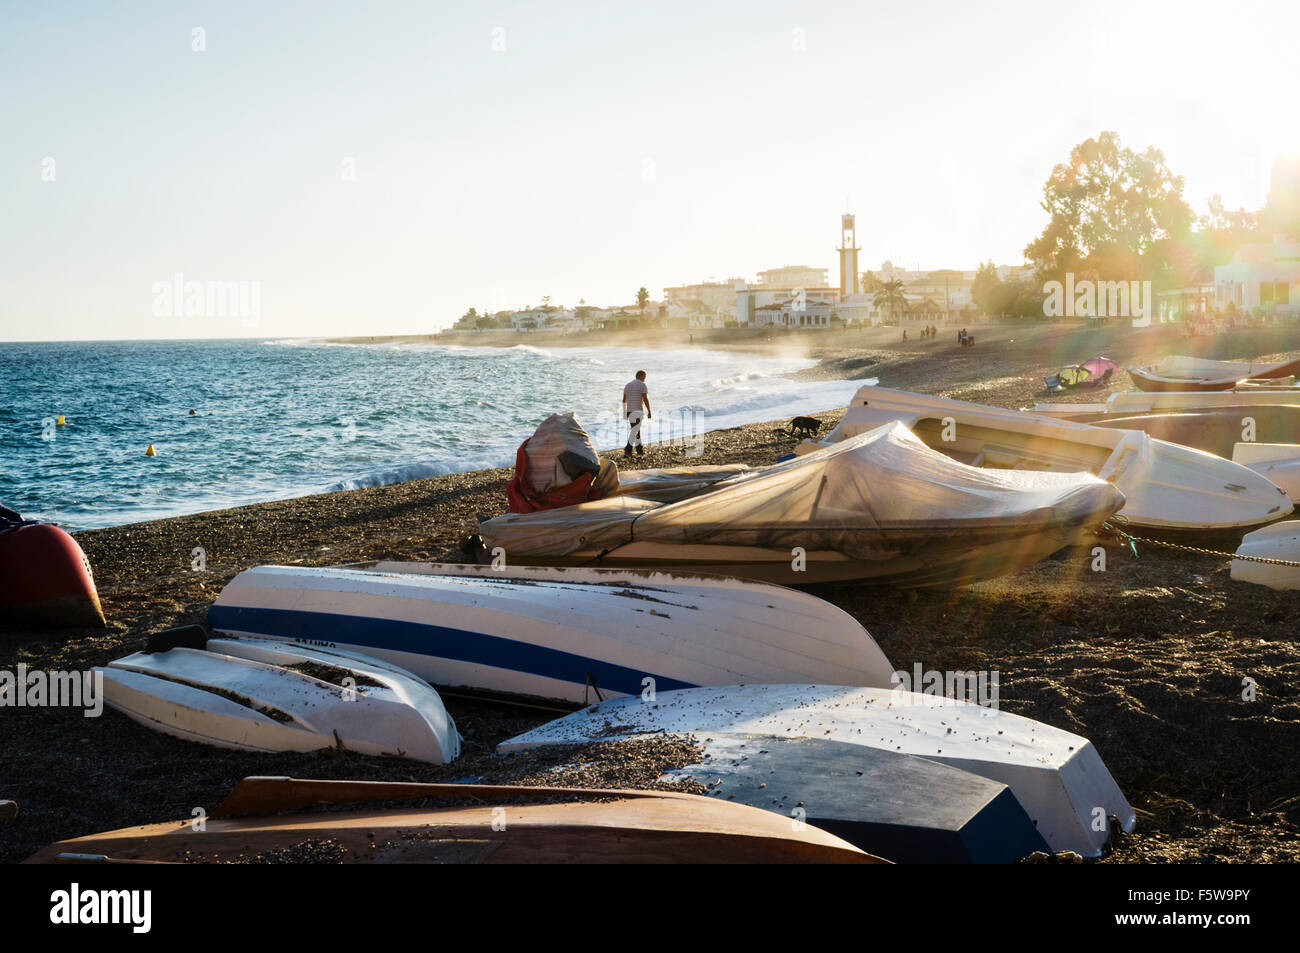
[{"x": 897, "y": 806}]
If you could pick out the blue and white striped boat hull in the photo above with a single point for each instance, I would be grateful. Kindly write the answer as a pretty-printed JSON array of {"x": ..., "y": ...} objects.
[{"x": 556, "y": 634}]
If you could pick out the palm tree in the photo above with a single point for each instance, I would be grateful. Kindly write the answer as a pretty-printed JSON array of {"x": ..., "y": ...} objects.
[
  {"x": 642, "y": 296},
  {"x": 890, "y": 296}
]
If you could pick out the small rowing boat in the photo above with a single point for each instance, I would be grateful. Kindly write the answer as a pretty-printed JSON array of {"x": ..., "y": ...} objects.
[
  {"x": 479, "y": 824},
  {"x": 1179, "y": 373},
  {"x": 571, "y": 635},
  {"x": 1058, "y": 777},
  {"x": 265, "y": 695}
]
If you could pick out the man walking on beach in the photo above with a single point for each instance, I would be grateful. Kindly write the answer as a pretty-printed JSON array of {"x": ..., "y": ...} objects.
[{"x": 636, "y": 399}]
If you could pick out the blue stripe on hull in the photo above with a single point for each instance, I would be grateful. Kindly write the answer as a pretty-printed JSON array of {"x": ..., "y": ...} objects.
[{"x": 436, "y": 642}]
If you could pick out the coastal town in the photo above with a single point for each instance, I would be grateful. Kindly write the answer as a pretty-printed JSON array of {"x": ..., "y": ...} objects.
[{"x": 1224, "y": 268}]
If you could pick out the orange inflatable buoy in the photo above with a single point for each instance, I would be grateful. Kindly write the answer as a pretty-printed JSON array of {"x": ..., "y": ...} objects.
[
  {"x": 45, "y": 579},
  {"x": 149, "y": 451}
]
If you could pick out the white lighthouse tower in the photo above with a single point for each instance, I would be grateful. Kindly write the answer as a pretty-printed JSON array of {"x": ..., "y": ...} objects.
[{"x": 848, "y": 257}]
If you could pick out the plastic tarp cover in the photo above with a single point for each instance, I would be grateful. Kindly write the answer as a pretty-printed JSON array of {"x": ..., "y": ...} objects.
[
  {"x": 868, "y": 497},
  {"x": 669, "y": 484},
  {"x": 600, "y": 525},
  {"x": 559, "y": 452}
]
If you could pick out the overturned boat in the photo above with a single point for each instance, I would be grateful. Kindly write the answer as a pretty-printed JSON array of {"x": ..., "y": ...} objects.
[
  {"x": 1166, "y": 486},
  {"x": 1179, "y": 373},
  {"x": 907, "y": 809},
  {"x": 1280, "y": 544},
  {"x": 880, "y": 506},
  {"x": 45, "y": 578},
  {"x": 262, "y": 821},
  {"x": 571, "y": 635},
  {"x": 265, "y": 695},
  {"x": 1058, "y": 777}
]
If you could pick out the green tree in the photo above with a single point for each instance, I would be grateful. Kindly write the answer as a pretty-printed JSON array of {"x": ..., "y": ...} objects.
[
  {"x": 1107, "y": 205},
  {"x": 642, "y": 298},
  {"x": 986, "y": 282}
]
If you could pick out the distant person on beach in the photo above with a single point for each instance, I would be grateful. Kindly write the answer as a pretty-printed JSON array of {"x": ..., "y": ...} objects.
[{"x": 636, "y": 399}]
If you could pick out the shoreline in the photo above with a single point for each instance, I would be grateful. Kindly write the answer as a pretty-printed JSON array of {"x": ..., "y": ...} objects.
[{"x": 1145, "y": 659}]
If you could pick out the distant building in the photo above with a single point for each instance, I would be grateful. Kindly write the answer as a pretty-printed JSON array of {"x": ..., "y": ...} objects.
[
  {"x": 711, "y": 295},
  {"x": 764, "y": 307},
  {"x": 793, "y": 276},
  {"x": 859, "y": 308},
  {"x": 790, "y": 313},
  {"x": 546, "y": 318},
  {"x": 944, "y": 290},
  {"x": 1261, "y": 275}
]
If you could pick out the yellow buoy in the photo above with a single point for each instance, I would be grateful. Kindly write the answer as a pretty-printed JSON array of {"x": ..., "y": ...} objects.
[
  {"x": 149, "y": 452},
  {"x": 60, "y": 420}
]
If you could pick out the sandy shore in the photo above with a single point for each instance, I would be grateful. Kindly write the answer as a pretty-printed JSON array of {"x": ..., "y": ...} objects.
[{"x": 1145, "y": 659}]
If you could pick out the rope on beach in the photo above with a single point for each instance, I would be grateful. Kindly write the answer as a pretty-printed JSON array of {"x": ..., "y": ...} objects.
[{"x": 1134, "y": 540}]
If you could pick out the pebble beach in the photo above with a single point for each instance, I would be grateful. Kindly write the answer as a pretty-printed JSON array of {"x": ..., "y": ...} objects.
[{"x": 1146, "y": 659}]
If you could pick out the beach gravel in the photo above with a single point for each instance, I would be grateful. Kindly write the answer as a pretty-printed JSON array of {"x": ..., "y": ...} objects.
[{"x": 1152, "y": 659}]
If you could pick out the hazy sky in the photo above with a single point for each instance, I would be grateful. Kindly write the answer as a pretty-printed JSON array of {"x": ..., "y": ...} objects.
[{"x": 607, "y": 146}]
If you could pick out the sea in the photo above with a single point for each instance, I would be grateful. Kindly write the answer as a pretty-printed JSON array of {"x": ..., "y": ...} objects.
[{"x": 235, "y": 422}]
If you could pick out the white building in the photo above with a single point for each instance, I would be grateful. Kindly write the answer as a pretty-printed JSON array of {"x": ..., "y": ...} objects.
[
  {"x": 1261, "y": 275},
  {"x": 859, "y": 309},
  {"x": 543, "y": 319},
  {"x": 750, "y": 300},
  {"x": 793, "y": 276}
]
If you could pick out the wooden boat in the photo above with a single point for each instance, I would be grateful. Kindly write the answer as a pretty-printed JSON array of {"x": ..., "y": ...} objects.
[
  {"x": 1058, "y": 777},
  {"x": 45, "y": 578},
  {"x": 482, "y": 824},
  {"x": 909, "y": 809},
  {"x": 1138, "y": 402},
  {"x": 566, "y": 634},
  {"x": 1166, "y": 486},
  {"x": 881, "y": 507},
  {"x": 1279, "y": 541},
  {"x": 264, "y": 695},
  {"x": 1178, "y": 373}
]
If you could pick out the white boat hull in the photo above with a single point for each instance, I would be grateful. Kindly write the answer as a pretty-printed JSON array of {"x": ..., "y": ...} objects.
[
  {"x": 250, "y": 695},
  {"x": 1278, "y": 463},
  {"x": 1142, "y": 402},
  {"x": 1279, "y": 541},
  {"x": 1058, "y": 777},
  {"x": 560, "y": 634}
]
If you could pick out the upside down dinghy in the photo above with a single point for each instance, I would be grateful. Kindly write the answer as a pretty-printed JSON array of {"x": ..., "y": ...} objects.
[
  {"x": 265, "y": 695},
  {"x": 566, "y": 634},
  {"x": 1058, "y": 777},
  {"x": 1166, "y": 486},
  {"x": 879, "y": 506},
  {"x": 1281, "y": 542},
  {"x": 480, "y": 824},
  {"x": 45, "y": 578},
  {"x": 907, "y": 809}
]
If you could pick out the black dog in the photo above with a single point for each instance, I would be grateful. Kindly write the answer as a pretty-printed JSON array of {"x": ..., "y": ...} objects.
[{"x": 805, "y": 426}]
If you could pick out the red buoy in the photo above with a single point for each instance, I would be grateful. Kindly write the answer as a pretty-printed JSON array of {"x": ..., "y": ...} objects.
[{"x": 45, "y": 579}]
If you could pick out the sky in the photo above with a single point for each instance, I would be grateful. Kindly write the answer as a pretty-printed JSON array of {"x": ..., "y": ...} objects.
[{"x": 380, "y": 167}]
